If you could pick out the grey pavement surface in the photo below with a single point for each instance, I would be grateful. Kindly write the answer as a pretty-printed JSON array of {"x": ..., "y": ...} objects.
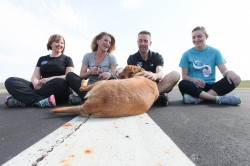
[
  {"x": 208, "y": 134},
  {"x": 22, "y": 127}
]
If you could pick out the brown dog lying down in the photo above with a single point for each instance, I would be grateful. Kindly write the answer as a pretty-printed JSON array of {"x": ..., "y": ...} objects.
[{"x": 117, "y": 98}]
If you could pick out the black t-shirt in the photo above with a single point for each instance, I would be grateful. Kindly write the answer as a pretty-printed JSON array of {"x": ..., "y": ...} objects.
[
  {"x": 54, "y": 66},
  {"x": 154, "y": 60}
]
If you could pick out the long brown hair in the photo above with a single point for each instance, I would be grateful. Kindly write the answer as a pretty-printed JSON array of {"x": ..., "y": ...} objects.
[{"x": 94, "y": 45}]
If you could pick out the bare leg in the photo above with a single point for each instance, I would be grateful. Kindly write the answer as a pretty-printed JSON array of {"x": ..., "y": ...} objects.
[
  {"x": 168, "y": 82},
  {"x": 210, "y": 95}
]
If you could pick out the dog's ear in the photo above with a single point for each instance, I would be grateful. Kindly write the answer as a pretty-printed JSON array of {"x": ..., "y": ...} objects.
[
  {"x": 129, "y": 71},
  {"x": 133, "y": 69},
  {"x": 139, "y": 69}
]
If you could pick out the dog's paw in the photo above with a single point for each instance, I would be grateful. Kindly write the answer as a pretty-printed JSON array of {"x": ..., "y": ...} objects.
[{"x": 84, "y": 83}]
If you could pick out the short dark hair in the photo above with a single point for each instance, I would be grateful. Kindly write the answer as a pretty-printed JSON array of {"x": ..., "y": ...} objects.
[{"x": 145, "y": 32}]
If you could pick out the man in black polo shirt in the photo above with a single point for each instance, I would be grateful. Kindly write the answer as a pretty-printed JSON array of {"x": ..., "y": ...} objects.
[{"x": 153, "y": 63}]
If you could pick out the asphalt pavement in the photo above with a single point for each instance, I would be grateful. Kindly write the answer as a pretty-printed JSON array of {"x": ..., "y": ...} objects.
[
  {"x": 208, "y": 134},
  {"x": 24, "y": 126}
]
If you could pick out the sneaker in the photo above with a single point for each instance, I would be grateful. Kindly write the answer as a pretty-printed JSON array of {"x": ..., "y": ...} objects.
[
  {"x": 229, "y": 99},
  {"x": 12, "y": 102},
  {"x": 75, "y": 100},
  {"x": 162, "y": 100},
  {"x": 188, "y": 99},
  {"x": 48, "y": 102}
]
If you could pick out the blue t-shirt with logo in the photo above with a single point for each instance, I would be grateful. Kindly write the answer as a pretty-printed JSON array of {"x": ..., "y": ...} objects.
[{"x": 202, "y": 63}]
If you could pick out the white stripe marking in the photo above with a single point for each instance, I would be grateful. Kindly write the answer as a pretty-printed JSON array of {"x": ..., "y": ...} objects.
[
  {"x": 134, "y": 140},
  {"x": 40, "y": 149}
]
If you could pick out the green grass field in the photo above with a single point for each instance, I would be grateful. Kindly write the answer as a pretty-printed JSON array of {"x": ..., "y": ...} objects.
[{"x": 244, "y": 84}]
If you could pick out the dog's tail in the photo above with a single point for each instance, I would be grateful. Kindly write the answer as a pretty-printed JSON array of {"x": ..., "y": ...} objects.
[{"x": 72, "y": 109}]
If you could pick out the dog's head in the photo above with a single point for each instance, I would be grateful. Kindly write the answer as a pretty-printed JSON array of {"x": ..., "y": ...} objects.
[{"x": 131, "y": 71}]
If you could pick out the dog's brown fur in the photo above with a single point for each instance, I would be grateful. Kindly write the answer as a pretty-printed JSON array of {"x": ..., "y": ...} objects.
[{"x": 117, "y": 98}]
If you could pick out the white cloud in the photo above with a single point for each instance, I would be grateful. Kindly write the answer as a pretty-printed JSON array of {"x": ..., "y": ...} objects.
[
  {"x": 26, "y": 27},
  {"x": 130, "y": 4}
]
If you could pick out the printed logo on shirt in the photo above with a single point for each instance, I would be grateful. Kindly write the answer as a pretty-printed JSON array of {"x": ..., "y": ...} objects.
[
  {"x": 139, "y": 64},
  {"x": 206, "y": 69},
  {"x": 44, "y": 62}
]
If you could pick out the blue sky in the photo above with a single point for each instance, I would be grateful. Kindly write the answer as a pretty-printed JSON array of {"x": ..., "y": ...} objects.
[{"x": 27, "y": 24}]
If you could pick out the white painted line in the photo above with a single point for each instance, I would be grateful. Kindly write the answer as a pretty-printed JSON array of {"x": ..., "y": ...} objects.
[
  {"x": 134, "y": 140},
  {"x": 40, "y": 149}
]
